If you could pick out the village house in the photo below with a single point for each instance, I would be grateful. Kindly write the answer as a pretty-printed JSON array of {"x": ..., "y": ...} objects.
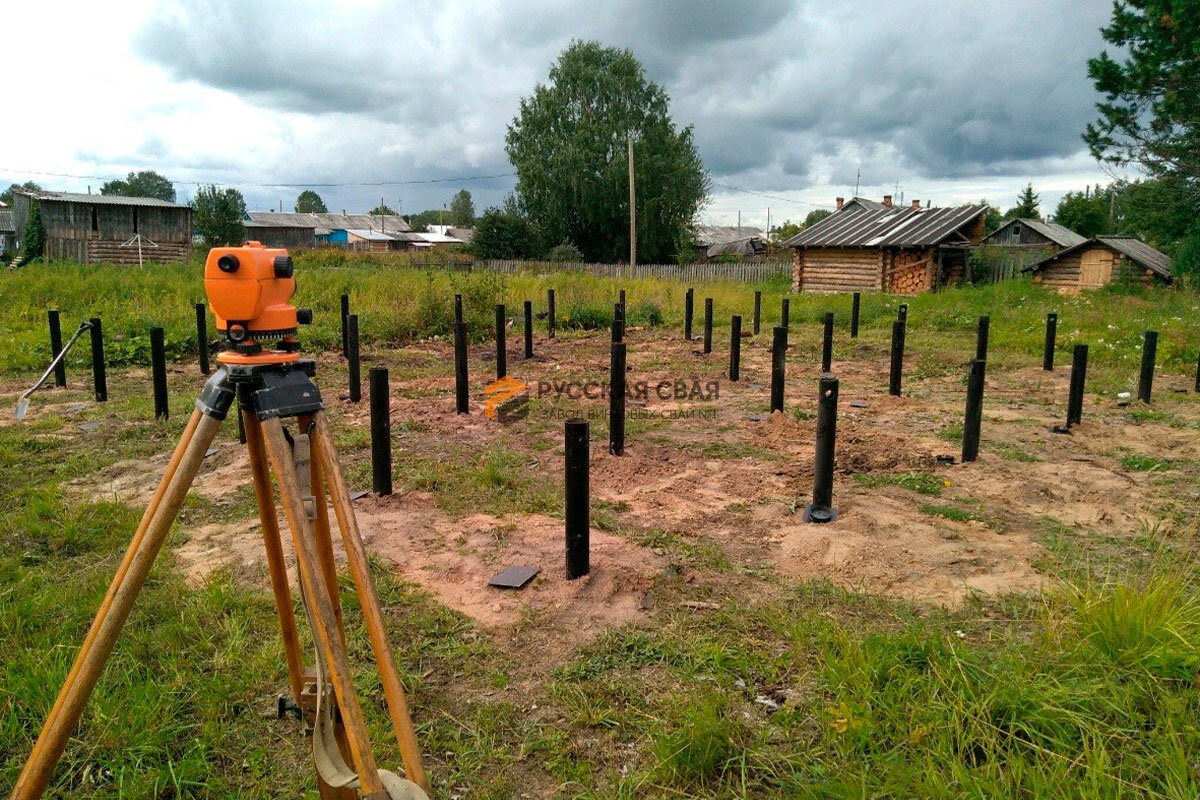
[
  {"x": 1100, "y": 261},
  {"x": 870, "y": 246},
  {"x": 93, "y": 228},
  {"x": 8, "y": 230},
  {"x": 714, "y": 241},
  {"x": 328, "y": 228}
]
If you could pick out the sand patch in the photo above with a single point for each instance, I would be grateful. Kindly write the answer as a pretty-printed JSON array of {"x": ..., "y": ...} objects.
[{"x": 877, "y": 545}]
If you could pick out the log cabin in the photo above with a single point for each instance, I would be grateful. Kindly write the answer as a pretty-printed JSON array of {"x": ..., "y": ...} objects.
[
  {"x": 97, "y": 228},
  {"x": 869, "y": 246},
  {"x": 1100, "y": 261}
]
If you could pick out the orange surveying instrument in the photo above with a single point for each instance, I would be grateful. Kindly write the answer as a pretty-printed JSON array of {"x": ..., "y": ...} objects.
[{"x": 249, "y": 290}]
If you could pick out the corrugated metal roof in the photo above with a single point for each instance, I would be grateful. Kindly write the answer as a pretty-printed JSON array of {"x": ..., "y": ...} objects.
[
  {"x": 8, "y": 221},
  {"x": 885, "y": 227},
  {"x": 1134, "y": 249},
  {"x": 252, "y": 224},
  {"x": 1063, "y": 237},
  {"x": 104, "y": 199},
  {"x": 370, "y": 235},
  {"x": 327, "y": 222}
]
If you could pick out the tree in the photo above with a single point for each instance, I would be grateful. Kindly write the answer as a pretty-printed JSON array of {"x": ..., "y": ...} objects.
[
  {"x": 1027, "y": 206},
  {"x": 1150, "y": 114},
  {"x": 462, "y": 209},
  {"x": 146, "y": 183},
  {"x": 815, "y": 216},
  {"x": 28, "y": 186},
  {"x": 382, "y": 210},
  {"x": 33, "y": 238},
  {"x": 568, "y": 145},
  {"x": 785, "y": 230},
  {"x": 504, "y": 233},
  {"x": 1087, "y": 212},
  {"x": 992, "y": 218},
  {"x": 309, "y": 202},
  {"x": 217, "y": 216}
]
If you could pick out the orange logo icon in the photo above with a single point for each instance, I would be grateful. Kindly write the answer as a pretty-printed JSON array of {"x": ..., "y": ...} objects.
[{"x": 506, "y": 400}]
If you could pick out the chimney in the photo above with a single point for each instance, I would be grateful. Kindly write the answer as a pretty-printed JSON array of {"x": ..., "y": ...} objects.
[
  {"x": 916, "y": 203},
  {"x": 928, "y": 203},
  {"x": 840, "y": 202},
  {"x": 887, "y": 200}
]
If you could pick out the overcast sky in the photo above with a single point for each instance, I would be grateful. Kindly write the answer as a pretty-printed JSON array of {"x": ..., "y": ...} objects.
[{"x": 952, "y": 102}]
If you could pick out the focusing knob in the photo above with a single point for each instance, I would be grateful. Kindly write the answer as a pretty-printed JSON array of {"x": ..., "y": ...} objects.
[
  {"x": 304, "y": 316},
  {"x": 228, "y": 263},
  {"x": 283, "y": 266}
]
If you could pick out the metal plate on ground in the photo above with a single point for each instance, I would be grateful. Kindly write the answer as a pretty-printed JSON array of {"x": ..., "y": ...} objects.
[
  {"x": 757, "y": 417},
  {"x": 90, "y": 426},
  {"x": 212, "y": 451},
  {"x": 515, "y": 577},
  {"x": 859, "y": 404},
  {"x": 358, "y": 495}
]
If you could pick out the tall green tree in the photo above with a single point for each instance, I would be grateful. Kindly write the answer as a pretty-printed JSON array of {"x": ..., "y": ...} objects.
[
  {"x": 504, "y": 233},
  {"x": 1150, "y": 114},
  {"x": 382, "y": 210},
  {"x": 462, "y": 209},
  {"x": 146, "y": 183},
  {"x": 568, "y": 145},
  {"x": 1150, "y": 117},
  {"x": 33, "y": 238},
  {"x": 1087, "y": 212},
  {"x": 217, "y": 216},
  {"x": 6, "y": 196},
  {"x": 309, "y": 202},
  {"x": 1027, "y": 206}
]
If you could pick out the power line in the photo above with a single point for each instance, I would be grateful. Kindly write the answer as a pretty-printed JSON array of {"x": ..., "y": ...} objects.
[{"x": 771, "y": 196}]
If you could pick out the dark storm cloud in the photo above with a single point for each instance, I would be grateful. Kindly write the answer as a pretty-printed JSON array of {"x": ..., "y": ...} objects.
[{"x": 789, "y": 92}]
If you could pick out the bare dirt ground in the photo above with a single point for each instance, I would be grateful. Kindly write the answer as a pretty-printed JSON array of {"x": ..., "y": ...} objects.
[{"x": 713, "y": 494}]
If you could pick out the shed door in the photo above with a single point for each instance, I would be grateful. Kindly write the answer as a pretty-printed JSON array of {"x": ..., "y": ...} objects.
[{"x": 1095, "y": 268}]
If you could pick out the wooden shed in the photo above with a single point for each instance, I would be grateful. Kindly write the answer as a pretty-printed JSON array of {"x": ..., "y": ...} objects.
[
  {"x": 869, "y": 246},
  {"x": 94, "y": 228},
  {"x": 290, "y": 236},
  {"x": 1100, "y": 261}
]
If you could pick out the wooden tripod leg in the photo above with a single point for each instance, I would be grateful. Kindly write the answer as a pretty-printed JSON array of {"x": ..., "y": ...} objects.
[
  {"x": 73, "y": 696},
  {"x": 318, "y": 594},
  {"x": 274, "y": 549},
  {"x": 119, "y": 577},
  {"x": 321, "y": 529},
  {"x": 356, "y": 555}
]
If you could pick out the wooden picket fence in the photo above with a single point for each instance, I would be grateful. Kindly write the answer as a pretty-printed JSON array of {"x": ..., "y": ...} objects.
[{"x": 745, "y": 272}]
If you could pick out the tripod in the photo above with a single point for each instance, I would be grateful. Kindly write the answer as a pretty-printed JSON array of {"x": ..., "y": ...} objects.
[{"x": 305, "y": 464}]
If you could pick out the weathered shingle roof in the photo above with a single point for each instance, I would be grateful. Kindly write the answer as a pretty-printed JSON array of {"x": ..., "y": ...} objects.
[
  {"x": 708, "y": 235},
  {"x": 1063, "y": 237},
  {"x": 885, "y": 227},
  {"x": 104, "y": 199},
  {"x": 1134, "y": 249},
  {"x": 8, "y": 221},
  {"x": 326, "y": 223},
  {"x": 252, "y": 224}
]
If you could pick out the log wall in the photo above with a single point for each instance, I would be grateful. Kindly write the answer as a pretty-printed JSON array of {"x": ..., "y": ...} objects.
[{"x": 837, "y": 269}]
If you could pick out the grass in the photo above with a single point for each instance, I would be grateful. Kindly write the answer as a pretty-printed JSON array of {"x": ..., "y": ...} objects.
[
  {"x": 920, "y": 482},
  {"x": 1141, "y": 463},
  {"x": 767, "y": 688},
  {"x": 953, "y": 513}
]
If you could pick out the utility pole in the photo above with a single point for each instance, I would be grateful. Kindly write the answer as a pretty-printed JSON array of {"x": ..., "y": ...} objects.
[
  {"x": 739, "y": 230},
  {"x": 768, "y": 223},
  {"x": 857, "y": 181},
  {"x": 632, "y": 208},
  {"x": 1112, "y": 207}
]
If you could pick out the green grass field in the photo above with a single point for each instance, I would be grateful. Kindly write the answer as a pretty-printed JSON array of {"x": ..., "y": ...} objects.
[{"x": 793, "y": 690}]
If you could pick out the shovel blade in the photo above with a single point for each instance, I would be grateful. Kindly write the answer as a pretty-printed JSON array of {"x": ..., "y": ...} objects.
[{"x": 22, "y": 407}]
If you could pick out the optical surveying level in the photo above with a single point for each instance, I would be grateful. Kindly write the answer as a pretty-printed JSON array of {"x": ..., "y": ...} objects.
[{"x": 249, "y": 290}]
